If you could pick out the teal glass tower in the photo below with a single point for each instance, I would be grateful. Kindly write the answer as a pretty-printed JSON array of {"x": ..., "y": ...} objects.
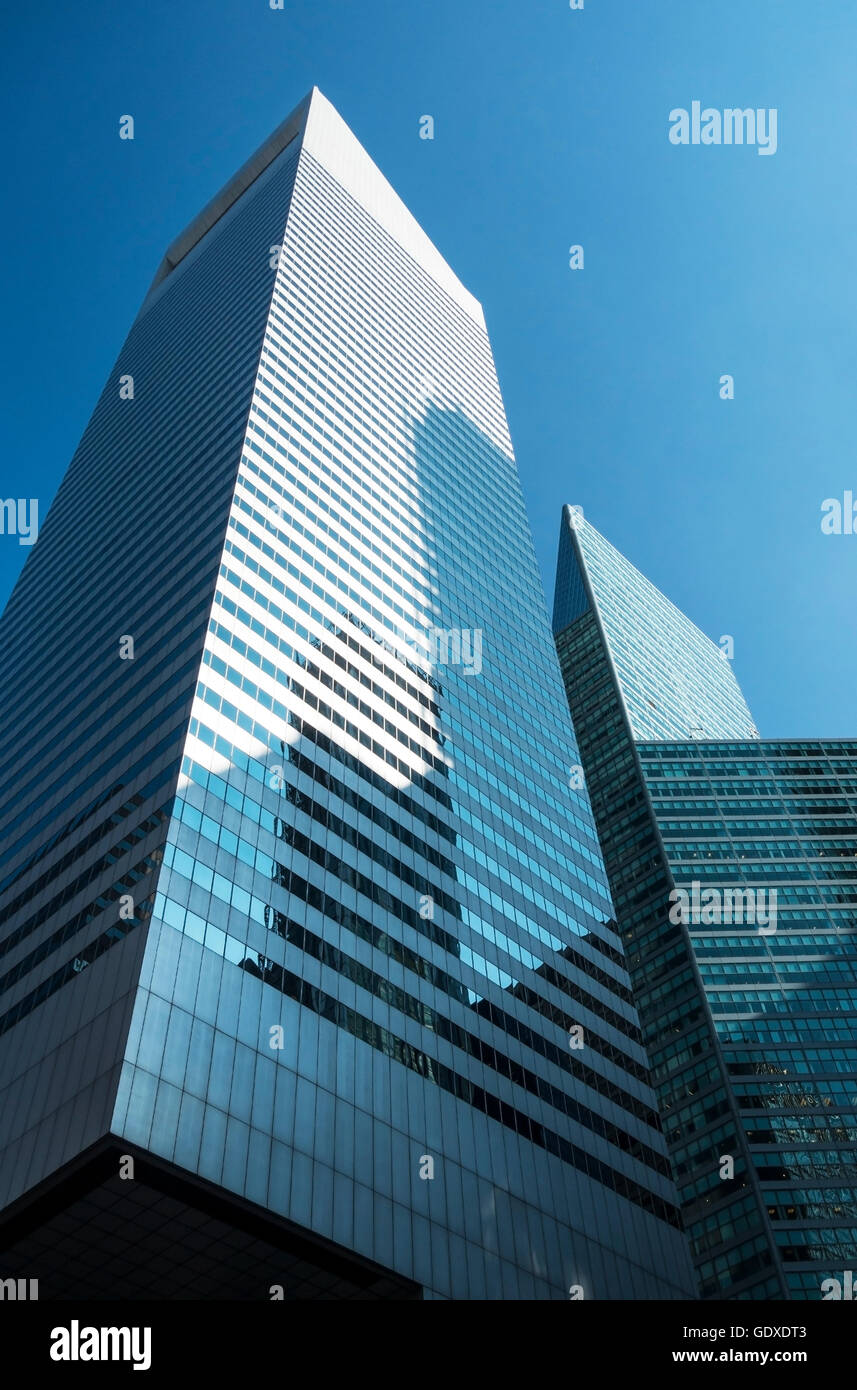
[
  {"x": 309, "y": 909},
  {"x": 778, "y": 821},
  {"x": 733, "y": 866}
]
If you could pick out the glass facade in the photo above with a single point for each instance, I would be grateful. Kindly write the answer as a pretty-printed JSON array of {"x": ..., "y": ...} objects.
[
  {"x": 732, "y": 866},
  {"x": 334, "y": 780},
  {"x": 676, "y": 683},
  {"x": 779, "y": 820}
]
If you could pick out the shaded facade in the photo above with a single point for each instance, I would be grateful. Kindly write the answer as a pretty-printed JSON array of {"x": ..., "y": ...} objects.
[
  {"x": 300, "y": 903},
  {"x": 746, "y": 986},
  {"x": 779, "y": 819}
]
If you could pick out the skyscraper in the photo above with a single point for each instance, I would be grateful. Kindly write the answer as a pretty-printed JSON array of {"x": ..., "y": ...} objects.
[
  {"x": 732, "y": 865},
  {"x": 311, "y": 977}
]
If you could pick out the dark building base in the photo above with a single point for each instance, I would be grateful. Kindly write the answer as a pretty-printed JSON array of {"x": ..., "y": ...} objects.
[{"x": 86, "y": 1233}]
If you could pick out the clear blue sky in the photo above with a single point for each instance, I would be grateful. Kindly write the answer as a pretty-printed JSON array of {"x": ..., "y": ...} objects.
[{"x": 551, "y": 129}]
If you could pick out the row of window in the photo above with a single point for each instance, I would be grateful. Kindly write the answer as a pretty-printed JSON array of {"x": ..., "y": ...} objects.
[{"x": 318, "y": 1001}]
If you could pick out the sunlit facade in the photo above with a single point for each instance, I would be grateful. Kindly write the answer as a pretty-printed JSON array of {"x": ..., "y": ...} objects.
[{"x": 676, "y": 682}]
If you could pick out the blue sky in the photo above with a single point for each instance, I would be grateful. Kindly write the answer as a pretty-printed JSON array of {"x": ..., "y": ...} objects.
[{"x": 551, "y": 129}]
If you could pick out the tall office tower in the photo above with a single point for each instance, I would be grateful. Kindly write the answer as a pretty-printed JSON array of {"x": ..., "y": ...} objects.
[
  {"x": 777, "y": 824},
  {"x": 731, "y": 862},
  {"x": 302, "y": 908}
]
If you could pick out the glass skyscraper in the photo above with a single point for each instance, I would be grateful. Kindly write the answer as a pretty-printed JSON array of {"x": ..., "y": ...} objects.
[
  {"x": 303, "y": 912},
  {"x": 733, "y": 866},
  {"x": 778, "y": 819}
]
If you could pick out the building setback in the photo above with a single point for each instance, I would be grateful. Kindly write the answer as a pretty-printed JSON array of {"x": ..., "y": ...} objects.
[
  {"x": 302, "y": 909},
  {"x": 732, "y": 865}
]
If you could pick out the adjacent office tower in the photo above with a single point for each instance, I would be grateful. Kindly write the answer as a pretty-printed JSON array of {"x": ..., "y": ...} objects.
[
  {"x": 733, "y": 867},
  {"x": 302, "y": 909}
]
